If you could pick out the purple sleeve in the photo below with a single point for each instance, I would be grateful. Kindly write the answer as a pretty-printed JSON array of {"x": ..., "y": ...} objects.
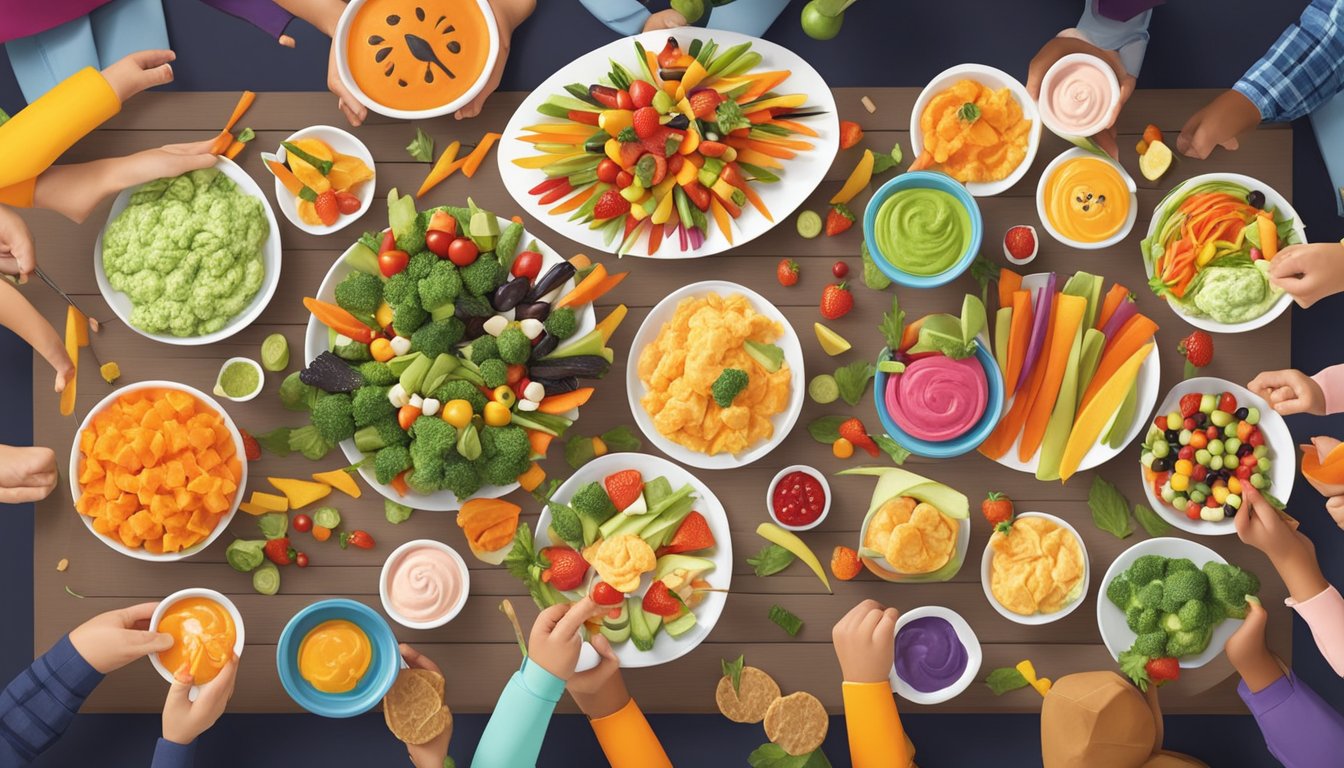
[
  {"x": 262, "y": 14},
  {"x": 1300, "y": 729}
]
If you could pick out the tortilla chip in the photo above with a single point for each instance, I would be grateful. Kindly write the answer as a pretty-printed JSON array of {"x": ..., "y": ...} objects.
[
  {"x": 748, "y": 704},
  {"x": 414, "y": 708},
  {"x": 797, "y": 723}
]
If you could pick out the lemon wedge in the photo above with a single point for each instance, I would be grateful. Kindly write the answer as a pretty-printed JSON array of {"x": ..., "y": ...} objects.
[
  {"x": 1156, "y": 161},
  {"x": 831, "y": 342}
]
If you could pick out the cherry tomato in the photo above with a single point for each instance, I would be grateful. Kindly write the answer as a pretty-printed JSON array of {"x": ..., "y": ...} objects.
[
  {"x": 624, "y": 179},
  {"x": 392, "y": 262},
  {"x": 605, "y": 594},
  {"x": 389, "y": 242},
  {"x": 302, "y": 523},
  {"x": 438, "y": 242},
  {"x": 360, "y": 539},
  {"x": 607, "y": 170},
  {"x": 463, "y": 251},
  {"x": 301, "y": 560},
  {"x": 528, "y": 264},
  {"x": 320, "y": 533},
  {"x": 348, "y": 203},
  {"x": 840, "y": 269}
]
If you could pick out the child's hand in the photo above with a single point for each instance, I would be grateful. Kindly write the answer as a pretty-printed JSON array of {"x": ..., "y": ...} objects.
[
  {"x": 74, "y": 191},
  {"x": 1218, "y": 125},
  {"x": 1248, "y": 651},
  {"x": 16, "y": 246},
  {"x": 600, "y": 691},
  {"x": 668, "y": 19},
  {"x": 139, "y": 71},
  {"x": 26, "y": 474},
  {"x": 1289, "y": 391},
  {"x": 431, "y": 753},
  {"x": 865, "y": 642},
  {"x": 1292, "y": 553},
  {"x": 554, "y": 642},
  {"x": 183, "y": 719},
  {"x": 110, "y": 641},
  {"x": 1309, "y": 271},
  {"x": 1059, "y": 47},
  {"x": 508, "y": 15},
  {"x": 354, "y": 111}
]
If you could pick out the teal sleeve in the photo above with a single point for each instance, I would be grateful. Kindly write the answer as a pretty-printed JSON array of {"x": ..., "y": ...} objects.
[{"x": 512, "y": 738}]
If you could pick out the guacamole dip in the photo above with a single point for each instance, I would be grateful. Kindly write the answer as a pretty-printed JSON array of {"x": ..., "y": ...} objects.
[
  {"x": 922, "y": 231},
  {"x": 187, "y": 251},
  {"x": 1235, "y": 294}
]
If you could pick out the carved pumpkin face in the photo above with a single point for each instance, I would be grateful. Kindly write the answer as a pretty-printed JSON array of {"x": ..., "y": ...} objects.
[{"x": 417, "y": 54}]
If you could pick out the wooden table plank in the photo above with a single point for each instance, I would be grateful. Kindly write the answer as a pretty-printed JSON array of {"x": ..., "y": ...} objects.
[{"x": 480, "y": 635}]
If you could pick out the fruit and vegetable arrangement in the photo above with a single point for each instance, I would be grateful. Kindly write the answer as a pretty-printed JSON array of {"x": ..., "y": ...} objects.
[
  {"x": 323, "y": 181},
  {"x": 666, "y": 147}
]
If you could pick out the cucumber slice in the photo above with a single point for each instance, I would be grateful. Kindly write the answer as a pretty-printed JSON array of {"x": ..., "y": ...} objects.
[
  {"x": 326, "y": 517},
  {"x": 266, "y": 579},
  {"x": 809, "y": 224},
  {"x": 823, "y": 389}
]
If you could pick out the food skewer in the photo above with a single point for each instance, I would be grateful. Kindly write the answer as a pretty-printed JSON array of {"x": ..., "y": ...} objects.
[
  {"x": 94, "y": 324},
  {"x": 506, "y": 608}
]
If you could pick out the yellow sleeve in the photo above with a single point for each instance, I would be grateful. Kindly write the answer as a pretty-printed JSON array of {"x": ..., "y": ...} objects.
[
  {"x": 19, "y": 195},
  {"x": 41, "y": 132},
  {"x": 628, "y": 741},
  {"x": 876, "y": 738}
]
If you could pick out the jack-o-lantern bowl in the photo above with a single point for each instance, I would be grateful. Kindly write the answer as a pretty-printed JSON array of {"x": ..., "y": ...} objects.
[{"x": 413, "y": 59}]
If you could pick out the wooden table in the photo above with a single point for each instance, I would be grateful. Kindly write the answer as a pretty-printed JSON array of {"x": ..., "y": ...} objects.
[{"x": 477, "y": 650}]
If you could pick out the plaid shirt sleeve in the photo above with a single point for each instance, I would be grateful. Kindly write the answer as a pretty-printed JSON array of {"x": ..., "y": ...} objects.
[{"x": 1303, "y": 69}]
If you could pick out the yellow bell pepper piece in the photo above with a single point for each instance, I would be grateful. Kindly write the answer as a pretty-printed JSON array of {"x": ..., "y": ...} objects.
[
  {"x": 1042, "y": 686},
  {"x": 613, "y": 121},
  {"x": 300, "y": 493},
  {"x": 541, "y": 161},
  {"x": 858, "y": 179},
  {"x": 341, "y": 480},
  {"x": 74, "y": 321},
  {"x": 1028, "y": 670},
  {"x": 269, "y": 502},
  {"x": 383, "y": 315},
  {"x": 786, "y": 539},
  {"x": 664, "y": 210},
  {"x": 252, "y": 509}
]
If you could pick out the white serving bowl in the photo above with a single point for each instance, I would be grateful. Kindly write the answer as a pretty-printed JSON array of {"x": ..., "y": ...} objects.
[
  {"x": 386, "y": 574},
  {"x": 993, "y": 78},
  {"x": 809, "y": 471},
  {"x": 1125, "y": 229},
  {"x": 1035, "y": 619},
  {"x": 139, "y": 553},
  {"x": 974, "y": 656},
  {"x": 346, "y": 144},
  {"x": 182, "y": 594}
]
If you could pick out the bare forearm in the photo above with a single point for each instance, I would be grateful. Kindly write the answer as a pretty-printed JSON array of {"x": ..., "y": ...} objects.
[
  {"x": 23, "y": 319},
  {"x": 75, "y": 190},
  {"x": 1302, "y": 577},
  {"x": 513, "y": 12},
  {"x": 322, "y": 14}
]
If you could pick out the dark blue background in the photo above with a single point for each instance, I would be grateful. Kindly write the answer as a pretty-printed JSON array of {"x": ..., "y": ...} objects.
[{"x": 1196, "y": 43}]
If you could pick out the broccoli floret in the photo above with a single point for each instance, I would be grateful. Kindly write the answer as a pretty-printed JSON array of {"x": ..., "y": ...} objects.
[
  {"x": 432, "y": 435},
  {"x": 353, "y": 351},
  {"x": 377, "y": 373},
  {"x": 565, "y": 524},
  {"x": 360, "y": 292},
  {"x": 391, "y": 433},
  {"x": 1140, "y": 619},
  {"x": 495, "y": 373},
  {"x": 1188, "y": 643},
  {"x": 514, "y": 346},
  {"x": 460, "y": 477},
  {"x": 482, "y": 276},
  {"x": 333, "y": 418},
  {"x": 562, "y": 323},
  {"x": 370, "y": 404},
  {"x": 1152, "y": 644},
  {"x": 1228, "y": 588},
  {"x": 1120, "y": 591},
  {"x": 1179, "y": 564},
  {"x": 473, "y": 306},
  {"x": 592, "y": 502},
  {"x": 1150, "y": 595},
  {"x": 400, "y": 288},
  {"x": 1181, "y": 587},
  {"x": 441, "y": 286},
  {"x": 728, "y": 386},
  {"x": 484, "y": 348},
  {"x": 1195, "y": 613},
  {"x": 425, "y": 479},
  {"x": 1147, "y": 568},
  {"x": 421, "y": 264},
  {"x": 508, "y": 441},
  {"x": 413, "y": 240},
  {"x": 438, "y": 337},
  {"x": 390, "y": 462},
  {"x": 407, "y": 318},
  {"x": 460, "y": 390}
]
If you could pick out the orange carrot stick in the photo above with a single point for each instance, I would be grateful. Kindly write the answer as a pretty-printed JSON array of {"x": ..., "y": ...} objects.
[
  {"x": 558, "y": 404},
  {"x": 244, "y": 103},
  {"x": 478, "y": 154}
]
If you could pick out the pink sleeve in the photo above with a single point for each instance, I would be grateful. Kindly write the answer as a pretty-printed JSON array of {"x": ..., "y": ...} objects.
[
  {"x": 1324, "y": 613},
  {"x": 1331, "y": 381}
]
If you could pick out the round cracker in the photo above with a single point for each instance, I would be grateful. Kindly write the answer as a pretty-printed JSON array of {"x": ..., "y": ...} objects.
[
  {"x": 797, "y": 723},
  {"x": 413, "y": 708},
  {"x": 755, "y": 693}
]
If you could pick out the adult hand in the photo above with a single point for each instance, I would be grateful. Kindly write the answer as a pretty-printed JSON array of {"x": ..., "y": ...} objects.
[
  {"x": 139, "y": 71},
  {"x": 17, "y": 256},
  {"x": 1059, "y": 47},
  {"x": 26, "y": 473},
  {"x": 508, "y": 15},
  {"x": 554, "y": 642},
  {"x": 183, "y": 719},
  {"x": 1309, "y": 271},
  {"x": 110, "y": 641},
  {"x": 1218, "y": 125},
  {"x": 1289, "y": 391},
  {"x": 600, "y": 691},
  {"x": 431, "y": 753},
  {"x": 1292, "y": 553},
  {"x": 865, "y": 641}
]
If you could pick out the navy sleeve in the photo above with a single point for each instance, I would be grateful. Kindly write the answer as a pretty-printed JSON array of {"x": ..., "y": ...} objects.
[
  {"x": 170, "y": 754},
  {"x": 38, "y": 705}
]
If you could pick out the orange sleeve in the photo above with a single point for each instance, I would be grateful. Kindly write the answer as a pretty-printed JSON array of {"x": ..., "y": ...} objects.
[
  {"x": 628, "y": 741},
  {"x": 876, "y": 737},
  {"x": 41, "y": 132},
  {"x": 19, "y": 195}
]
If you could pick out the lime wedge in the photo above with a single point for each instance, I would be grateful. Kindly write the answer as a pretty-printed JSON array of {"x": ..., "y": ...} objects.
[
  {"x": 823, "y": 389},
  {"x": 275, "y": 352}
]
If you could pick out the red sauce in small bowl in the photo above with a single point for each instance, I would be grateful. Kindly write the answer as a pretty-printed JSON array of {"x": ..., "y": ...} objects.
[{"x": 798, "y": 499}]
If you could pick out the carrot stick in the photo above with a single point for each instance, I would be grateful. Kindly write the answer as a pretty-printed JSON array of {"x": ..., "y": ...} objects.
[
  {"x": 1114, "y": 298},
  {"x": 785, "y": 142},
  {"x": 221, "y": 143},
  {"x": 553, "y": 138},
  {"x": 399, "y": 484},
  {"x": 558, "y": 404},
  {"x": 1139, "y": 330},
  {"x": 338, "y": 319},
  {"x": 763, "y": 147},
  {"x": 1009, "y": 283},
  {"x": 1066, "y": 322},
  {"x": 532, "y": 478},
  {"x": 794, "y": 126},
  {"x": 584, "y": 289},
  {"x": 287, "y": 178},
  {"x": 1018, "y": 339},
  {"x": 1010, "y": 426},
  {"x": 478, "y": 154},
  {"x": 540, "y": 441},
  {"x": 721, "y": 217},
  {"x": 575, "y": 201},
  {"x": 443, "y": 168},
  {"x": 756, "y": 201},
  {"x": 244, "y": 103},
  {"x": 234, "y": 149}
]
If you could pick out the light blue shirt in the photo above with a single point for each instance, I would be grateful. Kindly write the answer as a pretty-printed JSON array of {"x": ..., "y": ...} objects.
[{"x": 750, "y": 17}]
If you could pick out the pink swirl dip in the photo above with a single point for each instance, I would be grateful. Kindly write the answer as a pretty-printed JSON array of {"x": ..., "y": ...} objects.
[
  {"x": 938, "y": 398},
  {"x": 424, "y": 584},
  {"x": 1077, "y": 98}
]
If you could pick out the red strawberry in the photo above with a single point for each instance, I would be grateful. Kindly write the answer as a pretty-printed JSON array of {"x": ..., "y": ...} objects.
[
  {"x": 646, "y": 122},
  {"x": 567, "y": 568},
  {"x": 624, "y": 488},
  {"x": 838, "y": 219},
  {"x": 854, "y": 431},
  {"x": 836, "y": 302},
  {"x": 1227, "y": 403},
  {"x": 251, "y": 448},
  {"x": 630, "y": 153},
  {"x": 1019, "y": 243},
  {"x": 328, "y": 208},
  {"x": 279, "y": 552},
  {"x": 997, "y": 508},
  {"x": 605, "y": 594},
  {"x": 610, "y": 205},
  {"x": 787, "y": 272},
  {"x": 1159, "y": 480},
  {"x": 1163, "y": 670},
  {"x": 850, "y": 133},
  {"x": 664, "y": 141},
  {"x": 692, "y": 536},
  {"x": 704, "y": 102},
  {"x": 1192, "y": 509},
  {"x": 641, "y": 93},
  {"x": 1190, "y": 404},
  {"x": 698, "y": 194},
  {"x": 660, "y": 601},
  {"x": 1197, "y": 348},
  {"x": 603, "y": 94}
]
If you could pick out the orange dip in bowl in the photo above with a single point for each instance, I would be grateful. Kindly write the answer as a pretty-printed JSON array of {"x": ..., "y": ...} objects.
[
  {"x": 203, "y": 637},
  {"x": 334, "y": 655},
  {"x": 416, "y": 55},
  {"x": 1087, "y": 200}
]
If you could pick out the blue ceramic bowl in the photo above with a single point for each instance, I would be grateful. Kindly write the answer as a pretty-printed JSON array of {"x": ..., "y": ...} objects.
[
  {"x": 383, "y": 667},
  {"x": 923, "y": 180},
  {"x": 957, "y": 446}
]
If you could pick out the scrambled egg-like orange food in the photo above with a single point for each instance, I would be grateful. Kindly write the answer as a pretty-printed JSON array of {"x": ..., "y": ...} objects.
[
  {"x": 347, "y": 172},
  {"x": 621, "y": 560},
  {"x": 913, "y": 536},
  {"x": 1037, "y": 566},
  {"x": 705, "y": 336},
  {"x": 974, "y": 133}
]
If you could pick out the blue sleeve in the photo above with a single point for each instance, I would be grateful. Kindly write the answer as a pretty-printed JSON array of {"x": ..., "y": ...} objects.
[
  {"x": 749, "y": 17},
  {"x": 1127, "y": 38},
  {"x": 512, "y": 738},
  {"x": 38, "y": 705},
  {"x": 170, "y": 754},
  {"x": 1303, "y": 69},
  {"x": 625, "y": 17}
]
